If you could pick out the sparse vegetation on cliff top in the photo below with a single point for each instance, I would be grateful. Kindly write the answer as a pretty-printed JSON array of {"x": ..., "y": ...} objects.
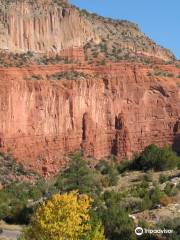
[
  {"x": 29, "y": 58},
  {"x": 68, "y": 75}
]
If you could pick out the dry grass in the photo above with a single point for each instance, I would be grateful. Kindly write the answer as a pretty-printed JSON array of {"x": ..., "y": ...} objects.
[
  {"x": 4, "y": 238},
  {"x": 9, "y": 227},
  {"x": 128, "y": 179}
]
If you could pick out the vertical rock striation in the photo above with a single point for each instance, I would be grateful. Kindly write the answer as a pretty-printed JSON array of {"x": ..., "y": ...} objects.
[{"x": 41, "y": 27}]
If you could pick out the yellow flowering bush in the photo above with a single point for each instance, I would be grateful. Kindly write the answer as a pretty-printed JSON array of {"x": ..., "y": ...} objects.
[{"x": 64, "y": 217}]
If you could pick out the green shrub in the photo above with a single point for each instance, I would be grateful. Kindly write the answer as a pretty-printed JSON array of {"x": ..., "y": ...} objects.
[
  {"x": 150, "y": 196},
  {"x": 103, "y": 47},
  {"x": 169, "y": 189},
  {"x": 14, "y": 199},
  {"x": 147, "y": 236},
  {"x": 158, "y": 159},
  {"x": 124, "y": 166},
  {"x": 155, "y": 195},
  {"x": 102, "y": 167},
  {"x": 36, "y": 77},
  {"x": 112, "y": 176},
  {"x": 78, "y": 176},
  {"x": 163, "y": 73},
  {"x": 173, "y": 224},
  {"x": 101, "y": 62},
  {"x": 117, "y": 224},
  {"x": 147, "y": 203},
  {"x": 69, "y": 75},
  {"x": 11, "y": 171},
  {"x": 163, "y": 178},
  {"x": 132, "y": 204},
  {"x": 139, "y": 190},
  {"x": 170, "y": 75},
  {"x": 111, "y": 172}
]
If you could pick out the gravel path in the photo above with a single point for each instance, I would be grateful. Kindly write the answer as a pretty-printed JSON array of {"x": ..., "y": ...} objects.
[{"x": 11, "y": 235}]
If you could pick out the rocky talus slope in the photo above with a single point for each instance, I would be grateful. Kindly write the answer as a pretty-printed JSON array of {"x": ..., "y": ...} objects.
[{"x": 70, "y": 80}]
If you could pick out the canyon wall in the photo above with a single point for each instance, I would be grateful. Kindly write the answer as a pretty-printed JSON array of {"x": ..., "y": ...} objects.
[
  {"x": 119, "y": 109},
  {"x": 51, "y": 26},
  {"x": 41, "y": 27}
]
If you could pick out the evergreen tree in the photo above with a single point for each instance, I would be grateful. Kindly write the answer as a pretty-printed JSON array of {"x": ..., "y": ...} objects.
[{"x": 79, "y": 176}]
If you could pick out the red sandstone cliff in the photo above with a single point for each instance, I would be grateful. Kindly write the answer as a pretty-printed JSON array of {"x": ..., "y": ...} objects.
[
  {"x": 49, "y": 111},
  {"x": 116, "y": 110}
]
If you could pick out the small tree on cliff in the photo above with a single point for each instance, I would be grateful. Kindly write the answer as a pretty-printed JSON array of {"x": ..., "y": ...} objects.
[{"x": 64, "y": 217}]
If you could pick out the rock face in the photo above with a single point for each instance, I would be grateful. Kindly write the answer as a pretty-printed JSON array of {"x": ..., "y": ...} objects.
[
  {"x": 49, "y": 111},
  {"x": 117, "y": 110},
  {"x": 40, "y": 27},
  {"x": 53, "y": 25}
]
